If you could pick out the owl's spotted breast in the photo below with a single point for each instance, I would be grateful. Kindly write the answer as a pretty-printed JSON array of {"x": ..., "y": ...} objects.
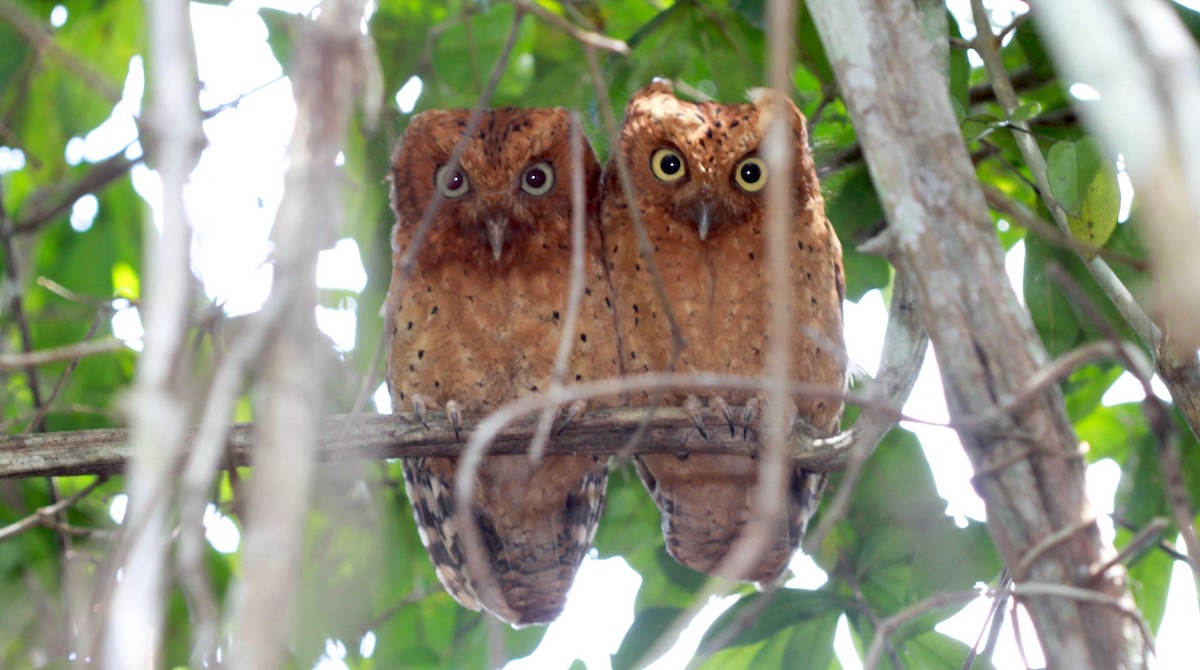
[
  {"x": 477, "y": 324},
  {"x": 699, "y": 184}
]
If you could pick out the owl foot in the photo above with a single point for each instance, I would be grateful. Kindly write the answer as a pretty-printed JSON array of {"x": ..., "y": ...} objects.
[
  {"x": 421, "y": 405},
  {"x": 573, "y": 411},
  {"x": 755, "y": 411},
  {"x": 455, "y": 413},
  {"x": 719, "y": 402},
  {"x": 691, "y": 405}
]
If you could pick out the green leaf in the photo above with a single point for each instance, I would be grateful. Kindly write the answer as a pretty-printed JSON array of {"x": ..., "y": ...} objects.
[
  {"x": 1053, "y": 315},
  {"x": 1086, "y": 387},
  {"x": 1111, "y": 431},
  {"x": 281, "y": 27},
  {"x": 1026, "y": 111},
  {"x": 788, "y": 609},
  {"x": 1149, "y": 581},
  {"x": 1031, "y": 45},
  {"x": 1084, "y": 183},
  {"x": 854, "y": 210},
  {"x": 648, "y": 626}
]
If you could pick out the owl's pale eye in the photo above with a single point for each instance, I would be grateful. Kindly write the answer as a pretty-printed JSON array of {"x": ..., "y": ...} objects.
[
  {"x": 751, "y": 175},
  {"x": 451, "y": 184},
  {"x": 538, "y": 179},
  {"x": 668, "y": 165}
]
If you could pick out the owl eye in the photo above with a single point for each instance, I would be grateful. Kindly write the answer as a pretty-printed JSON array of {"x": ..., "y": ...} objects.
[
  {"x": 538, "y": 179},
  {"x": 451, "y": 184},
  {"x": 667, "y": 165},
  {"x": 751, "y": 175}
]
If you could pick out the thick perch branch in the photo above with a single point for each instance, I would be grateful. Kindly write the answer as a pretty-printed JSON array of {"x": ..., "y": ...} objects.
[{"x": 372, "y": 436}]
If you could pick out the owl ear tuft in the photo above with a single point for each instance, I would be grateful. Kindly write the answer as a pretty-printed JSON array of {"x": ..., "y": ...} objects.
[
  {"x": 658, "y": 85},
  {"x": 758, "y": 95}
]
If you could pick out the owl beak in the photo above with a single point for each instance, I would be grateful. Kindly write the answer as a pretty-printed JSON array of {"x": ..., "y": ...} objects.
[
  {"x": 495, "y": 233},
  {"x": 704, "y": 220}
]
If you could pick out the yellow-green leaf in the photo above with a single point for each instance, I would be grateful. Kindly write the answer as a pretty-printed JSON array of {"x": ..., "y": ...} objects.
[
  {"x": 125, "y": 281},
  {"x": 1084, "y": 183}
]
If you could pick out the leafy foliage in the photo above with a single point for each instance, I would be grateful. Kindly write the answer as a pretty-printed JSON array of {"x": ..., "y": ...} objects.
[{"x": 365, "y": 570}]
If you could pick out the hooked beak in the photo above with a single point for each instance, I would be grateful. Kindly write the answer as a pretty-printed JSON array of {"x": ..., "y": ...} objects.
[
  {"x": 704, "y": 220},
  {"x": 495, "y": 233}
]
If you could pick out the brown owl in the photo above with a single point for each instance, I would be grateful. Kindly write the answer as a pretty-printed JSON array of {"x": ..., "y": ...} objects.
[
  {"x": 477, "y": 324},
  {"x": 699, "y": 186}
]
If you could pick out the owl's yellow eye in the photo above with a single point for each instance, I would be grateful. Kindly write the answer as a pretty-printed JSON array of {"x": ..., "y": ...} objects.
[
  {"x": 451, "y": 184},
  {"x": 538, "y": 179},
  {"x": 751, "y": 175},
  {"x": 668, "y": 165}
]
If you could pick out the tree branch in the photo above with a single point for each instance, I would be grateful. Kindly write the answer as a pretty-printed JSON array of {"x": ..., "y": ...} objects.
[{"x": 376, "y": 436}]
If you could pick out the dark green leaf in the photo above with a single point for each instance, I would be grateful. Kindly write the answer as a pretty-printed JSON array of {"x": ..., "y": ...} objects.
[{"x": 648, "y": 626}]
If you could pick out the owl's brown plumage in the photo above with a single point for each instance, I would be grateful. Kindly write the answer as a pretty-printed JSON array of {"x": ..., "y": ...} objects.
[
  {"x": 478, "y": 324},
  {"x": 700, "y": 188}
]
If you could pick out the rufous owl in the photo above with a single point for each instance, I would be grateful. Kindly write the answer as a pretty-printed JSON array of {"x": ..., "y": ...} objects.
[
  {"x": 477, "y": 324},
  {"x": 700, "y": 183}
]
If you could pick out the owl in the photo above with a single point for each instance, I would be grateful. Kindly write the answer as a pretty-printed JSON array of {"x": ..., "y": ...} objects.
[
  {"x": 477, "y": 324},
  {"x": 700, "y": 184}
]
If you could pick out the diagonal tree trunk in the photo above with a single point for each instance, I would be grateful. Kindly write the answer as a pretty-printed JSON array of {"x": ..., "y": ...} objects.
[{"x": 1029, "y": 469}]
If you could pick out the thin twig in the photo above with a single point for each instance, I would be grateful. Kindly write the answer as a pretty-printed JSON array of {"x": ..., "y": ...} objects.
[
  {"x": 1046, "y": 544},
  {"x": 39, "y": 37},
  {"x": 888, "y": 627},
  {"x": 574, "y": 291},
  {"x": 44, "y": 516},
  {"x": 620, "y": 162},
  {"x": 587, "y": 38},
  {"x": 1022, "y": 217},
  {"x": 61, "y": 383},
  {"x": 68, "y": 352},
  {"x": 1136, "y": 545},
  {"x": 904, "y": 347},
  {"x": 1125, "y": 606}
]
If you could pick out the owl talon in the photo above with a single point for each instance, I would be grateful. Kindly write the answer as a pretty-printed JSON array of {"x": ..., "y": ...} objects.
[
  {"x": 691, "y": 405},
  {"x": 454, "y": 413},
  {"x": 419, "y": 404},
  {"x": 573, "y": 411},
  {"x": 756, "y": 412},
  {"x": 719, "y": 402},
  {"x": 749, "y": 412}
]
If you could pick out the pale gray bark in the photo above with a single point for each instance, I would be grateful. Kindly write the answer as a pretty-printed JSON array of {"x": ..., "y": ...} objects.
[{"x": 1029, "y": 468}]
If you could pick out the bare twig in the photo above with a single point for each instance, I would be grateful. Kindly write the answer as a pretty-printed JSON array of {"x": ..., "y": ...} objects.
[
  {"x": 1122, "y": 605},
  {"x": 59, "y": 354},
  {"x": 47, "y": 206},
  {"x": 574, "y": 292},
  {"x": 888, "y": 627},
  {"x": 1136, "y": 545},
  {"x": 1037, "y": 551},
  {"x": 40, "y": 415},
  {"x": 620, "y": 162},
  {"x": 1022, "y": 217},
  {"x": 904, "y": 347},
  {"x": 45, "y": 516},
  {"x": 587, "y": 38},
  {"x": 38, "y": 36}
]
